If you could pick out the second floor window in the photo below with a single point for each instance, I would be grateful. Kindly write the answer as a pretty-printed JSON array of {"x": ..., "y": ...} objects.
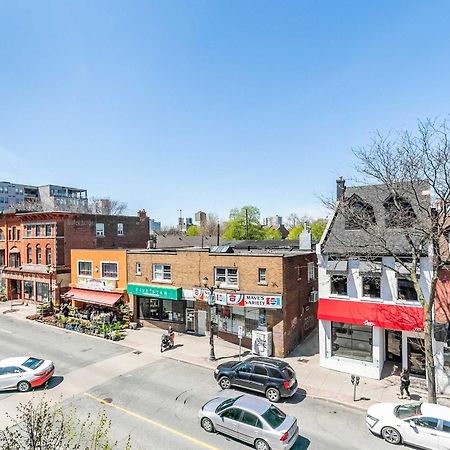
[
  {"x": 48, "y": 230},
  {"x": 311, "y": 271},
  {"x": 226, "y": 276},
  {"x": 38, "y": 230},
  {"x": 120, "y": 229},
  {"x": 84, "y": 268},
  {"x": 109, "y": 270},
  {"x": 262, "y": 278},
  {"x": 371, "y": 286},
  {"x": 28, "y": 231},
  {"x": 406, "y": 290},
  {"x": 338, "y": 284},
  {"x": 38, "y": 255},
  {"x": 100, "y": 229},
  {"x": 138, "y": 269},
  {"x": 162, "y": 272},
  {"x": 29, "y": 255},
  {"x": 48, "y": 255}
]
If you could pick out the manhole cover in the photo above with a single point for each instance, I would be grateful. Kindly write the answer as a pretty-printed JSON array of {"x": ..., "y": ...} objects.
[{"x": 107, "y": 400}]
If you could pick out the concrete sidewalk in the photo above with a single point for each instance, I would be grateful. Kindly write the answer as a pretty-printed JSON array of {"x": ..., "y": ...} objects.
[{"x": 314, "y": 381}]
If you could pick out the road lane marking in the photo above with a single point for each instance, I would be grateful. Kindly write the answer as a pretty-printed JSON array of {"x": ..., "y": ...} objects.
[
  {"x": 5, "y": 331},
  {"x": 152, "y": 422}
]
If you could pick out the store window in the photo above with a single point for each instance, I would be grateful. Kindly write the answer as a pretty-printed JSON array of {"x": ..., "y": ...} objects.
[
  {"x": 371, "y": 286},
  {"x": 163, "y": 310},
  {"x": 351, "y": 341},
  {"x": 84, "y": 268},
  {"x": 226, "y": 276},
  {"x": 338, "y": 284},
  {"x": 110, "y": 270},
  {"x": 406, "y": 290},
  {"x": 28, "y": 289},
  {"x": 233, "y": 317},
  {"x": 42, "y": 292},
  {"x": 162, "y": 272}
]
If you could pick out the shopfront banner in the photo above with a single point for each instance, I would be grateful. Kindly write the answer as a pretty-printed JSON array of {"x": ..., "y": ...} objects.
[{"x": 146, "y": 290}]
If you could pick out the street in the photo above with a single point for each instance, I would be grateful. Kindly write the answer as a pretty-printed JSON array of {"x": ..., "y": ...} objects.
[{"x": 155, "y": 399}]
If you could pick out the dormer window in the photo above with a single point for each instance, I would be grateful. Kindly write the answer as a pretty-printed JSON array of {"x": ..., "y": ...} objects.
[
  {"x": 399, "y": 212},
  {"x": 358, "y": 214}
]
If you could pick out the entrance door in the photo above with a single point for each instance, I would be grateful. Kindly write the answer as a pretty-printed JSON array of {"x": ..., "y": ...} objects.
[
  {"x": 394, "y": 346},
  {"x": 190, "y": 320},
  {"x": 416, "y": 356}
]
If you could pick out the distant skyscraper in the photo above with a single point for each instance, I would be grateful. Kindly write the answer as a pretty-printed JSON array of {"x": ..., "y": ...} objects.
[
  {"x": 273, "y": 221},
  {"x": 155, "y": 227},
  {"x": 200, "y": 218}
]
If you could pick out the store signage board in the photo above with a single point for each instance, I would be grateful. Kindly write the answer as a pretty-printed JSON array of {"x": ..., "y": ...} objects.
[
  {"x": 240, "y": 331},
  {"x": 96, "y": 284},
  {"x": 146, "y": 290},
  {"x": 237, "y": 299}
]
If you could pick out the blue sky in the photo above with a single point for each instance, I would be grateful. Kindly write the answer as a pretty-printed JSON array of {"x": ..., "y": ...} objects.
[{"x": 209, "y": 105}]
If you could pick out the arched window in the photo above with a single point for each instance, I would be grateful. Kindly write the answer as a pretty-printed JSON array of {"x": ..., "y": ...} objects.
[
  {"x": 48, "y": 255},
  {"x": 358, "y": 214},
  {"x": 38, "y": 254},
  {"x": 399, "y": 212},
  {"x": 2, "y": 235},
  {"x": 29, "y": 254}
]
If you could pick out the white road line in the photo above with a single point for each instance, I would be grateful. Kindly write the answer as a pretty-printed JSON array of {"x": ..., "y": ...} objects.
[{"x": 5, "y": 331}]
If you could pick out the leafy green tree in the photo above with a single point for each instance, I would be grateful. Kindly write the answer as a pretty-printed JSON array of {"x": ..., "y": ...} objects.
[
  {"x": 317, "y": 228},
  {"x": 270, "y": 233},
  {"x": 294, "y": 233},
  {"x": 193, "y": 231},
  {"x": 244, "y": 223}
]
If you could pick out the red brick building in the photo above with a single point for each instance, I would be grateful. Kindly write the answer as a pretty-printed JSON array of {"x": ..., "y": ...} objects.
[{"x": 35, "y": 248}]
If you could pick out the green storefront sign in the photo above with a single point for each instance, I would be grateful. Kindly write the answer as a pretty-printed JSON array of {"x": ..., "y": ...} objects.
[{"x": 145, "y": 290}]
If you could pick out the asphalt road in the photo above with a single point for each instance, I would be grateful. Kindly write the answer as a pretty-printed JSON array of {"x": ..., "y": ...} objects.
[{"x": 157, "y": 404}]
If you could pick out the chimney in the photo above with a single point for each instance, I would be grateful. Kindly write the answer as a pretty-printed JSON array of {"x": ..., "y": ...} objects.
[
  {"x": 340, "y": 188},
  {"x": 142, "y": 215},
  {"x": 304, "y": 240}
]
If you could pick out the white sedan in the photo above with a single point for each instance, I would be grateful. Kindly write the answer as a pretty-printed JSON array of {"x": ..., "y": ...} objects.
[
  {"x": 423, "y": 425},
  {"x": 24, "y": 373}
]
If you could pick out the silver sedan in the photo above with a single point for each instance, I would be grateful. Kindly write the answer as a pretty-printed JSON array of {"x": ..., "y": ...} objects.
[
  {"x": 250, "y": 419},
  {"x": 25, "y": 372}
]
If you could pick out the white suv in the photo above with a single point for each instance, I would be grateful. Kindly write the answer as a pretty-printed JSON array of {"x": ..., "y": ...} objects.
[{"x": 423, "y": 425}]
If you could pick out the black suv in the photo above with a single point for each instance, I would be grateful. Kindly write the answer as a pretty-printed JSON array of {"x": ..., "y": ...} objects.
[{"x": 272, "y": 377}]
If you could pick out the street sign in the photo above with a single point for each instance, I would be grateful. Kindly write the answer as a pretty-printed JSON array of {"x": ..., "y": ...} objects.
[
  {"x": 240, "y": 332},
  {"x": 213, "y": 312}
]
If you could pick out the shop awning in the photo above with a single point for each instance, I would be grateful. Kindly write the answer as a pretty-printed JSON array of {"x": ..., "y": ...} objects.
[
  {"x": 396, "y": 317},
  {"x": 94, "y": 297}
]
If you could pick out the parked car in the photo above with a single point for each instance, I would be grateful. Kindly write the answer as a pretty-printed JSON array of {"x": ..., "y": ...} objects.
[
  {"x": 24, "y": 373},
  {"x": 250, "y": 419},
  {"x": 424, "y": 425},
  {"x": 270, "y": 376}
]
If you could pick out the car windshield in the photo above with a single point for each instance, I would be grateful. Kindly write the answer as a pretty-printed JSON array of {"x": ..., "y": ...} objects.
[
  {"x": 408, "y": 410},
  {"x": 274, "y": 417},
  {"x": 226, "y": 404},
  {"x": 33, "y": 363}
]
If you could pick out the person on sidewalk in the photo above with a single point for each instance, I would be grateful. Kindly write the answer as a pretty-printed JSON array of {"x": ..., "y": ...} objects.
[
  {"x": 404, "y": 384},
  {"x": 171, "y": 336}
]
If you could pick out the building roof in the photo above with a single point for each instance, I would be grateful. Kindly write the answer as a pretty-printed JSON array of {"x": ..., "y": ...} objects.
[{"x": 181, "y": 241}]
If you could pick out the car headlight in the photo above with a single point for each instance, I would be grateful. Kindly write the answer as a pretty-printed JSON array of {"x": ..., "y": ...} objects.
[{"x": 371, "y": 421}]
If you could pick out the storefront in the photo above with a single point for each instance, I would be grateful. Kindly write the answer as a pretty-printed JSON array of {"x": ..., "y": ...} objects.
[
  {"x": 359, "y": 337},
  {"x": 157, "y": 305}
]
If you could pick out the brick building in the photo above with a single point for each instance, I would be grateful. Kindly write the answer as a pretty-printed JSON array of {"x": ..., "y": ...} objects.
[
  {"x": 273, "y": 289},
  {"x": 35, "y": 248}
]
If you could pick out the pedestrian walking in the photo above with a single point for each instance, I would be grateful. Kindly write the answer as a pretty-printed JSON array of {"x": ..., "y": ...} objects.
[{"x": 404, "y": 384}]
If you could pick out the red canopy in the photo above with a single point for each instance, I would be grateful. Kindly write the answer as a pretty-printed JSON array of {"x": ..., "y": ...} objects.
[
  {"x": 396, "y": 317},
  {"x": 95, "y": 297}
]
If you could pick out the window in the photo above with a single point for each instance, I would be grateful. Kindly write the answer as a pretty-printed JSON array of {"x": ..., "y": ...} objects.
[
  {"x": 246, "y": 368},
  {"x": 426, "y": 422},
  {"x": 232, "y": 414},
  {"x": 28, "y": 231},
  {"x": 2, "y": 235},
  {"x": 262, "y": 276},
  {"x": 371, "y": 286},
  {"x": 358, "y": 214},
  {"x": 48, "y": 230},
  {"x": 138, "y": 269},
  {"x": 120, "y": 229},
  {"x": 100, "y": 229},
  {"x": 33, "y": 363},
  {"x": 226, "y": 276},
  {"x": 37, "y": 230},
  {"x": 14, "y": 235},
  {"x": 38, "y": 255},
  {"x": 85, "y": 268},
  {"x": 260, "y": 370},
  {"x": 109, "y": 270},
  {"x": 250, "y": 419},
  {"x": 29, "y": 255},
  {"x": 351, "y": 341},
  {"x": 42, "y": 292},
  {"x": 274, "y": 373},
  {"x": 162, "y": 310},
  {"x": 399, "y": 212},
  {"x": 28, "y": 289},
  {"x": 338, "y": 284},
  {"x": 446, "y": 426},
  {"x": 311, "y": 271},
  {"x": 162, "y": 272},
  {"x": 274, "y": 416},
  {"x": 48, "y": 255},
  {"x": 406, "y": 290}
]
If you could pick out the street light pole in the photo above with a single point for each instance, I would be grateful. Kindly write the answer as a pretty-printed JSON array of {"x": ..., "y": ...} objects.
[
  {"x": 50, "y": 271},
  {"x": 211, "y": 302}
]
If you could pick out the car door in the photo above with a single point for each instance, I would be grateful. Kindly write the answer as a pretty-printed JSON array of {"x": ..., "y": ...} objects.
[
  {"x": 10, "y": 376},
  {"x": 259, "y": 378},
  {"x": 422, "y": 431},
  {"x": 243, "y": 375},
  {"x": 250, "y": 427},
  {"x": 444, "y": 436},
  {"x": 228, "y": 422}
]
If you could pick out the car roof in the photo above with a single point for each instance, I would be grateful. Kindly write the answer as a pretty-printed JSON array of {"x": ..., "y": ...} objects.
[
  {"x": 255, "y": 404},
  {"x": 14, "y": 361},
  {"x": 437, "y": 411},
  {"x": 267, "y": 361}
]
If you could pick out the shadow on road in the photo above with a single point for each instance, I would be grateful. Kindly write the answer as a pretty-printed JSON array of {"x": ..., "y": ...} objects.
[
  {"x": 302, "y": 443},
  {"x": 298, "y": 397},
  {"x": 52, "y": 383}
]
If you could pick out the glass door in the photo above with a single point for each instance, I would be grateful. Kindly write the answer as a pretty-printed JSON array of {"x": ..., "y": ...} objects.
[
  {"x": 394, "y": 346},
  {"x": 416, "y": 356}
]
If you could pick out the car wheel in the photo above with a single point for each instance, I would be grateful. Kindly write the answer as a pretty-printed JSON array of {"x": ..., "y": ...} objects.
[
  {"x": 207, "y": 425},
  {"x": 273, "y": 394},
  {"x": 225, "y": 383},
  {"x": 23, "y": 386},
  {"x": 261, "y": 445},
  {"x": 391, "y": 435}
]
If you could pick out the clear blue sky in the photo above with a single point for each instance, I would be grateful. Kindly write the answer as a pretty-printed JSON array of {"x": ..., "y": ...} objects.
[{"x": 212, "y": 104}]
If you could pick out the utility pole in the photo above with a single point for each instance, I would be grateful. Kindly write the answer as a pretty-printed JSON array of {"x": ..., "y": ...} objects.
[{"x": 246, "y": 222}]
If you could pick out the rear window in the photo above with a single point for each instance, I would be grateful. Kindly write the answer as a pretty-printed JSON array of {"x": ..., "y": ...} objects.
[
  {"x": 226, "y": 404},
  {"x": 33, "y": 363},
  {"x": 288, "y": 373},
  {"x": 408, "y": 410},
  {"x": 274, "y": 416}
]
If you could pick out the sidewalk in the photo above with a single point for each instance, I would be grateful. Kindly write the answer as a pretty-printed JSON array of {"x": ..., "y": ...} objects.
[{"x": 314, "y": 381}]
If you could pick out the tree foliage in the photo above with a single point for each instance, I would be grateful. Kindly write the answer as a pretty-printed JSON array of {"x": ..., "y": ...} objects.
[
  {"x": 295, "y": 232},
  {"x": 317, "y": 228},
  {"x": 107, "y": 206},
  {"x": 272, "y": 234},
  {"x": 193, "y": 230},
  {"x": 42, "y": 425},
  {"x": 244, "y": 224}
]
